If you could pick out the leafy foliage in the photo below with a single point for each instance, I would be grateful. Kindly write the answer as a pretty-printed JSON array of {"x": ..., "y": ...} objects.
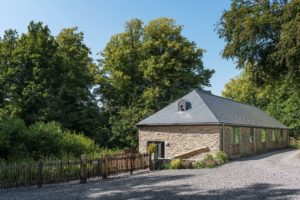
[
  {"x": 52, "y": 85},
  {"x": 176, "y": 164},
  {"x": 263, "y": 37},
  {"x": 255, "y": 32},
  {"x": 211, "y": 161},
  {"x": 279, "y": 99},
  {"x": 222, "y": 157},
  {"x": 152, "y": 148},
  {"x": 142, "y": 70},
  {"x": 12, "y": 136},
  {"x": 41, "y": 140},
  {"x": 47, "y": 78}
]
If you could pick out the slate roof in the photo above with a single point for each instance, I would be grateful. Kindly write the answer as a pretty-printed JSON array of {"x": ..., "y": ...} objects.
[{"x": 211, "y": 109}]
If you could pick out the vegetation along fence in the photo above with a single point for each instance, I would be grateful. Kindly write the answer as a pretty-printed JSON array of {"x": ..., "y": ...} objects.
[
  {"x": 293, "y": 141},
  {"x": 47, "y": 172}
]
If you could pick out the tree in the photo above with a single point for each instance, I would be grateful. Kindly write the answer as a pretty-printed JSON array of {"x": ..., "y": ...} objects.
[
  {"x": 264, "y": 35},
  {"x": 241, "y": 89},
  {"x": 143, "y": 69},
  {"x": 47, "y": 78},
  {"x": 280, "y": 99},
  {"x": 74, "y": 106},
  {"x": 28, "y": 71},
  {"x": 7, "y": 79}
]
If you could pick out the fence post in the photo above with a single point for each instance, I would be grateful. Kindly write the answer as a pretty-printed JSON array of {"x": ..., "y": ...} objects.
[
  {"x": 104, "y": 167},
  {"x": 99, "y": 167},
  {"x": 150, "y": 161},
  {"x": 40, "y": 174},
  {"x": 83, "y": 172},
  {"x": 131, "y": 163}
]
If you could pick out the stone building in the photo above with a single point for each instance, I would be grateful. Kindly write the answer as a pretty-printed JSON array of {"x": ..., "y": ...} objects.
[{"x": 201, "y": 122}]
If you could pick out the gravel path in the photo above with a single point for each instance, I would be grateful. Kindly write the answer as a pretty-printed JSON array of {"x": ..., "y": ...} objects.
[{"x": 273, "y": 175}]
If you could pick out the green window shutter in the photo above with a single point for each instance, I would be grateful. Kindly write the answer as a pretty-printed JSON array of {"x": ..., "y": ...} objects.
[
  {"x": 235, "y": 135},
  {"x": 263, "y": 135},
  {"x": 251, "y": 138},
  {"x": 273, "y": 135}
]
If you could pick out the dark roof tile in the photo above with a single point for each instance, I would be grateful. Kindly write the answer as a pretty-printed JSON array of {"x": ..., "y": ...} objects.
[{"x": 212, "y": 109}]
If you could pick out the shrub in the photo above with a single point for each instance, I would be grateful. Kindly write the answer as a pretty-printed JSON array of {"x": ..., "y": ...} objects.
[
  {"x": 45, "y": 140},
  {"x": 176, "y": 164},
  {"x": 76, "y": 144},
  {"x": 165, "y": 166},
  {"x": 222, "y": 157},
  {"x": 151, "y": 148},
  {"x": 210, "y": 161},
  {"x": 207, "y": 162},
  {"x": 12, "y": 136},
  {"x": 41, "y": 140}
]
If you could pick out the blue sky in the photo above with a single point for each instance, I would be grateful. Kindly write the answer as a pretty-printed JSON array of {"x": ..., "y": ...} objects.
[{"x": 100, "y": 19}]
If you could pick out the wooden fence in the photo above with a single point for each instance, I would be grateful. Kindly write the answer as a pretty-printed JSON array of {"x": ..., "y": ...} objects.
[{"x": 48, "y": 172}]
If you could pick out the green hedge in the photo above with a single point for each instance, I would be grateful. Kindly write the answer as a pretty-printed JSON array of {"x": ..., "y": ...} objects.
[{"x": 41, "y": 140}]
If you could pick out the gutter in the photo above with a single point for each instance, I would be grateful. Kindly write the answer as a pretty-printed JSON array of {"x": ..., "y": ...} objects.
[{"x": 223, "y": 140}]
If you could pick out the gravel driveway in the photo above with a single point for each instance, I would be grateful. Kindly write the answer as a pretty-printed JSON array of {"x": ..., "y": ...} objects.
[{"x": 273, "y": 175}]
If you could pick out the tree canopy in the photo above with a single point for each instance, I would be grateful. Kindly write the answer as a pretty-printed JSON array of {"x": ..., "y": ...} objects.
[
  {"x": 263, "y": 37},
  {"x": 47, "y": 78},
  {"x": 143, "y": 69}
]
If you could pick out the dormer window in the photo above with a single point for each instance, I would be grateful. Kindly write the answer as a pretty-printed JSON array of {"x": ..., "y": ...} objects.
[{"x": 183, "y": 105}]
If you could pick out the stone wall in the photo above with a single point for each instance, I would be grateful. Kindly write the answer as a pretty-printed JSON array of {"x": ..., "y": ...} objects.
[
  {"x": 245, "y": 147},
  {"x": 180, "y": 139}
]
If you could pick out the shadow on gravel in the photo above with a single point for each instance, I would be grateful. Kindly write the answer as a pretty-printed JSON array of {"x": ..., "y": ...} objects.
[
  {"x": 255, "y": 191},
  {"x": 152, "y": 187},
  {"x": 265, "y": 155}
]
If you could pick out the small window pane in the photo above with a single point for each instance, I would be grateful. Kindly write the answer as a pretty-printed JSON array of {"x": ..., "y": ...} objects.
[
  {"x": 273, "y": 135},
  {"x": 281, "y": 135},
  {"x": 251, "y": 138},
  {"x": 263, "y": 135},
  {"x": 235, "y": 135}
]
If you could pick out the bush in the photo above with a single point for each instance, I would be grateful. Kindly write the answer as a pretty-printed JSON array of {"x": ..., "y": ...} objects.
[
  {"x": 151, "y": 148},
  {"x": 41, "y": 140},
  {"x": 12, "y": 136},
  {"x": 176, "y": 164},
  {"x": 222, "y": 157},
  {"x": 165, "y": 166},
  {"x": 77, "y": 144},
  {"x": 45, "y": 140},
  {"x": 210, "y": 161}
]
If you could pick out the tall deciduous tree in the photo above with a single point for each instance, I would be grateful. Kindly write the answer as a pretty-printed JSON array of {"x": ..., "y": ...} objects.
[
  {"x": 7, "y": 79},
  {"x": 28, "y": 71},
  {"x": 47, "y": 78},
  {"x": 143, "y": 69},
  {"x": 280, "y": 99},
  {"x": 264, "y": 35},
  {"x": 75, "y": 107}
]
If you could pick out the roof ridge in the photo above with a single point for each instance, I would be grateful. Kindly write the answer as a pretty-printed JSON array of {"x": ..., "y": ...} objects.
[
  {"x": 197, "y": 91},
  {"x": 225, "y": 98}
]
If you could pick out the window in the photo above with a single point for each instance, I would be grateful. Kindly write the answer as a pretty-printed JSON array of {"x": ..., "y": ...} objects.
[
  {"x": 281, "y": 136},
  {"x": 273, "y": 136},
  {"x": 263, "y": 135},
  {"x": 235, "y": 135},
  {"x": 184, "y": 104},
  {"x": 181, "y": 108},
  {"x": 251, "y": 138},
  {"x": 160, "y": 148}
]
